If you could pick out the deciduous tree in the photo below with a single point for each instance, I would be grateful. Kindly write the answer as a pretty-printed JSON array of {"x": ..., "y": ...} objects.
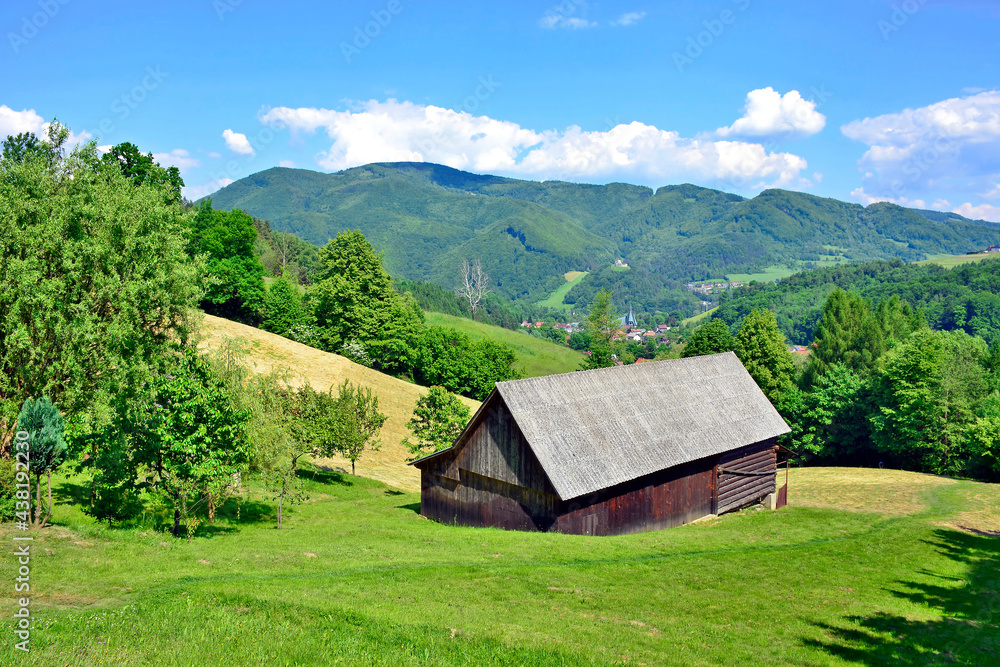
[
  {"x": 438, "y": 419},
  {"x": 710, "y": 338}
]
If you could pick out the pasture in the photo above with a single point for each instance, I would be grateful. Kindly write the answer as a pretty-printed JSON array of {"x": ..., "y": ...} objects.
[
  {"x": 555, "y": 300},
  {"x": 865, "y": 567},
  {"x": 535, "y": 356}
]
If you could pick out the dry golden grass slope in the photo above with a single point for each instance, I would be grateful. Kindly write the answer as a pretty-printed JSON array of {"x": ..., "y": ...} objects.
[{"x": 322, "y": 370}]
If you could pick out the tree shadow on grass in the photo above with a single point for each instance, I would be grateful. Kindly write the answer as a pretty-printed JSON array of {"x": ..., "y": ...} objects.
[
  {"x": 324, "y": 475},
  {"x": 967, "y": 635},
  {"x": 71, "y": 493},
  {"x": 413, "y": 507}
]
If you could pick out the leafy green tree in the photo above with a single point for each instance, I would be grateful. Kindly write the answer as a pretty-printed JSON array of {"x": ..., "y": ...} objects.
[
  {"x": 834, "y": 420},
  {"x": 928, "y": 396},
  {"x": 282, "y": 307},
  {"x": 579, "y": 341},
  {"x": 848, "y": 334},
  {"x": 438, "y": 419},
  {"x": 46, "y": 449},
  {"x": 236, "y": 277},
  {"x": 602, "y": 322},
  {"x": 358, "y": 421},
  {"x": 710, "y": 338},
  {"x": 761, "y": 347},
  {"x": 489, "y": 362},
  {"x": 897, "y": 319},
  {"x": 95, "y": 286},
  {"x": 354, "y": 299},
  {"x": 21, "y": 147},
  {"x": 144, "y": 170},
  {"x": 187, "y": 440}
]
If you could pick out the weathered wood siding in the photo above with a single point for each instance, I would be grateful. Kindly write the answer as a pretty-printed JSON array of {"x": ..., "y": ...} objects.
[
  {"x": 740, "y": 490},
  {"x": 491, "y": 479},
  {"x": 665, "y": 499}
]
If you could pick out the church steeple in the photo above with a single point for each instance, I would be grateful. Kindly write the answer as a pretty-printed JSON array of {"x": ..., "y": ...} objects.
[{"x": 630, "y": 318}]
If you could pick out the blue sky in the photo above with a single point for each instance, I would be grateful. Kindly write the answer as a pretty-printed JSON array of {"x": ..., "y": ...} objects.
[{"x": 862, "y": 101}]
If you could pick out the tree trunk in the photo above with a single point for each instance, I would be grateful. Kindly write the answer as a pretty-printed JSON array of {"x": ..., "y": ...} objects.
[
  {"x": 211, "y": 507},
  {"x": 352, "y": 466},
  {"x": 177, "y": 522},
  {"x": 38, "y": 501},
  {"x": 48, "y": 513},
  {"x": 280, "y": 498}
]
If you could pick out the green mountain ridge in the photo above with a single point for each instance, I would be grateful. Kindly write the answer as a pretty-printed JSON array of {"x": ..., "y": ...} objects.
[{"x": 426, "y": 218}]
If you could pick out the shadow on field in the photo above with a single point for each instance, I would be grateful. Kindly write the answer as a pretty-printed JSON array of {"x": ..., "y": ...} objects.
[
  {"x": 413, "y": 507},
  {"x": 70, "y": 493},
  {"x": 325, "y": 475},
  {"x": 967, "y": 635}
]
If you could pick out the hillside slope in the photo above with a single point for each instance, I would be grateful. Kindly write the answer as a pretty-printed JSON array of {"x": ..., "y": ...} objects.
[
  {"x": 427, "y": 217},
  {"x": 323, "y": 370}
]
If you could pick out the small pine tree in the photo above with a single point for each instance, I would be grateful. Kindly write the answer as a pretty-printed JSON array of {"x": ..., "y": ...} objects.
[{"x": 47, "y": 449}]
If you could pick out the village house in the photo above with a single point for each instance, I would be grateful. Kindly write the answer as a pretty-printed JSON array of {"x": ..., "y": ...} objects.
[{"x": 589, "y": 453}]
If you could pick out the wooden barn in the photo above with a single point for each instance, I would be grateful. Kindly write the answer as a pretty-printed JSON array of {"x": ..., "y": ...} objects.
[{"x": 610, "y": 451}]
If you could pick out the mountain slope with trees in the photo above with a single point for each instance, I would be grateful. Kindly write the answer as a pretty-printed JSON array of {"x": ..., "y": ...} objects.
[{"x": 427, "y": 218}]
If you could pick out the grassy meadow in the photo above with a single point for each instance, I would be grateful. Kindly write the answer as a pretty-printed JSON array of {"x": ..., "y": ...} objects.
[
  {"x": 535, "y": 357},
  {"x": 865, "y": 567},
  {"x": 555, "y": 300},
  {"x": 951, "y": 261},
  {"x": 267, "y": 352}
]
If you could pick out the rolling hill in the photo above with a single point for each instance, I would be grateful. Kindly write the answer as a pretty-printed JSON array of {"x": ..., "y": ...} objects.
[
  {"x": 427, "y": 217},
  {"x": 323, "y": 370}
]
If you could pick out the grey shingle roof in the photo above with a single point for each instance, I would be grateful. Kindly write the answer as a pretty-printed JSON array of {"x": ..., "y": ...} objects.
[{"x": 594, "y": 429}]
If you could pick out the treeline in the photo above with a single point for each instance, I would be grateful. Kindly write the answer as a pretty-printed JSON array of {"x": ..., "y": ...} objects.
[
  {"x": 351, "y": 308},
  {"x": 103, "y": 270},
  {"x": 966, "y": 297},
  {"x": 881, "y": 387},
  {"x": 494, "y": 309}
]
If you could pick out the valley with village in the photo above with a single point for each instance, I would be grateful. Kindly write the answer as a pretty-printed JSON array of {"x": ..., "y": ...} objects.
[{"x": 523, "y": 334}]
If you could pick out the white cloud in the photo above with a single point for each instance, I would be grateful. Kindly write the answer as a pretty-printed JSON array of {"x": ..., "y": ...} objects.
[
  {"x": 237, "y": 143},
  {"x": 213, "y": 154},
  {"x": 196, "y": 192},
  {"x": 953, "y": 145},
  {"x": 14, "y": 122},
  {"x": 980, "y": 212},
  {"x": 557, "y": 21},
  {"x": 179, "y": 158},
  {"x": 771, "y": 115},
  {"x": 974, "y": 212},
  {"x": 289, "y": 164},
  {"x": 629, "y": 18},
  {"x": 402, "y": 131}
]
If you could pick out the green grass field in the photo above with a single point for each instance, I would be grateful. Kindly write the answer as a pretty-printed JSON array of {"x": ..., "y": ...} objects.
[
  {"x": 699, "y": 317},
  {"x": 536, "y": 357},
  {"x": 555, "y": 300},
  {"x": 951, "y": 261},
  {"x": 770, "y": 274},
  {"x": 865, "y": 567}
]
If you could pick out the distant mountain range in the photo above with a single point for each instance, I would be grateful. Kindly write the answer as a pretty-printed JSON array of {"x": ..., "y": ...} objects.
[{"x": 426, "y": 218}]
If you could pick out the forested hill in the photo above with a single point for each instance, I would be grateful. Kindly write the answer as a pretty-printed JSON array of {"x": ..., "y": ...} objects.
[
  {"x": 966, "y": 297},
  {"x": 426, "y": 218}
]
